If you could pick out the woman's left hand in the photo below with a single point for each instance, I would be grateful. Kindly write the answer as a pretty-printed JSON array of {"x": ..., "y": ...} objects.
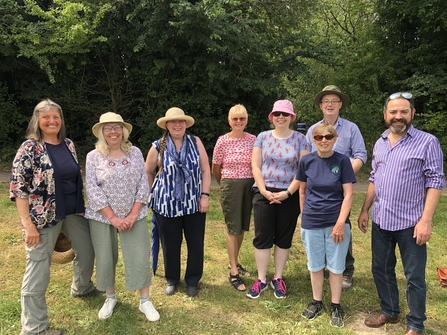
[
  {"x": 129, "y": 221},
  {"x": 278, "y": 197},
  {"x": 338, "y": 233},
  {"x": 204, "y": 204}
]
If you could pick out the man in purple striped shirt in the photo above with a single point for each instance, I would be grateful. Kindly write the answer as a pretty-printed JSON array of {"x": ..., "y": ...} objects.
[{"x": 406, "y": 182}]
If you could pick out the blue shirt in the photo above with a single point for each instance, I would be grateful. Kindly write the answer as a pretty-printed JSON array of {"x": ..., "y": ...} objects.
[
  {"x": 349, "y": 140},
  {"x": 401, "y": 175},
  {"x": 324, "y": 179}
]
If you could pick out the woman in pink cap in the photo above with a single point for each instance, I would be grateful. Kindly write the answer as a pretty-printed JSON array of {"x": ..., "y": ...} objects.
[{"x": 276, "y": 154}]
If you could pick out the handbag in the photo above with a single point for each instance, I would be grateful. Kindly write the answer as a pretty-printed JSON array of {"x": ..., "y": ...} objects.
[{"x": 442, "y": 276}]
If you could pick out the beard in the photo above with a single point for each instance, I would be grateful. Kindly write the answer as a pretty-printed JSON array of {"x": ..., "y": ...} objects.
[{"x": 398, "y": 129}]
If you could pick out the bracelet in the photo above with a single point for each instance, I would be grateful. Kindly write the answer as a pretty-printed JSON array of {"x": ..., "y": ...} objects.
[
  {"x": 207, "y": 194},
  {"x": 21, "y": 220},
  {"x": 288, "y": 194}
]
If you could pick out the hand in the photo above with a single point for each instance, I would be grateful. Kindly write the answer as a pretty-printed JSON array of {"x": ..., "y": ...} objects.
[
  {"x": 338, "y": 233},
  {"x": 204, "y": 204},
  {"x": 32, "y": 236},
  {"x": 363, "y": 221},
  {"x": 270, "y": 197},
  {"x": 118, "y": 223},
  {"x": 422, "y": 232},
  {"x": 129, "y": 221},
  {"x": 278, "y": 197}
]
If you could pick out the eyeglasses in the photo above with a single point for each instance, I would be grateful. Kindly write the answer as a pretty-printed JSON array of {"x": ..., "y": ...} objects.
[
  {"x": 405, "y": 95},
  {"x": 236, "y": 119},
  {"x": 332, "y": 102},
  {"x": 116, "y": 127},
  {"x": 320, "y": 137},
  {"x": 177, "y": 121},
  {"x": 278, "y": 114}
]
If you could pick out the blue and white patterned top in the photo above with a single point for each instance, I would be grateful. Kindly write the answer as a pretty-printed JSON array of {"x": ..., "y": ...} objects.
[
  {"x": 162, "y": 198},
  {"x": 117, "y": 183},
  {"x": 401, "y": 175}
]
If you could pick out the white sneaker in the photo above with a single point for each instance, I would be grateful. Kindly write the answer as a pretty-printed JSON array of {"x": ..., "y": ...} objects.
[
  {"x": 107, "y": 309},
  {"x": 149, "y": 310}
]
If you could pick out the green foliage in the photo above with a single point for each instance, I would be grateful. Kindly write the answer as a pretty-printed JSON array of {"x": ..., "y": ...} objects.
[
  {"x": 140, "y": 57},
  {"x": 412, "y": 35}
]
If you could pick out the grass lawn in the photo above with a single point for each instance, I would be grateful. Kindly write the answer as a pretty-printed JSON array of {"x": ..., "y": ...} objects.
[{"x": 219, "y": 308}]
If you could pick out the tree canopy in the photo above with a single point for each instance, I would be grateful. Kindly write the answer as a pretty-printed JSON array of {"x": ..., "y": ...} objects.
[{"x": 140, "y": 57}]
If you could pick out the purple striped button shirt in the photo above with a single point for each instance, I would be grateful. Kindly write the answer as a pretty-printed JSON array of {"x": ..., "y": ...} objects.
[{"x": 401, "y": 175}]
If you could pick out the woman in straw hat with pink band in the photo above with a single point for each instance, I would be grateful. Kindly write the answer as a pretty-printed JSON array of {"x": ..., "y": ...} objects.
[
  {"x": 179, "y": 176},
  {"x": 117, "y": 192}
]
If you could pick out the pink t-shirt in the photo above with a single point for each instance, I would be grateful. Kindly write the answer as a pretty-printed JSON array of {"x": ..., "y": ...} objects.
[{"x": 234, "y": 155}]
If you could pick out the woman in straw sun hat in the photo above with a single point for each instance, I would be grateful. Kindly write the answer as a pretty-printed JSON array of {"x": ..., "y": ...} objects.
[
  {"x": 117, "y": 192},
  {"x": 46, "y": 184},
  {"x": 179, "y": 176}
]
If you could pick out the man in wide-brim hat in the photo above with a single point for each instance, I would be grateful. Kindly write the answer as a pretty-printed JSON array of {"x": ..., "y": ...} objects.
[{"x": 349, "y": 142}]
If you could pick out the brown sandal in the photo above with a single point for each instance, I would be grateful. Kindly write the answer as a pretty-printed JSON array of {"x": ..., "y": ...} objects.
[{"x": 236, "y": 281}]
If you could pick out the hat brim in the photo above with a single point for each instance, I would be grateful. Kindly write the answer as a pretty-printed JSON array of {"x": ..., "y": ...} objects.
[
  {"x": 97, "y": 127},
  {"x": 344, "y": 98},
  {"x": 161, "y": 122},
  {"x": 63, "y": 253}
]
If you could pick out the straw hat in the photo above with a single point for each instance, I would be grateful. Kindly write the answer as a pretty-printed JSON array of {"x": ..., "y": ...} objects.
[
  {"x": 332, "y": 89},
  {"x": 108, "y": 118},
  {"x": 175, "y": 113},
  {"x": 63, "y": 253}
]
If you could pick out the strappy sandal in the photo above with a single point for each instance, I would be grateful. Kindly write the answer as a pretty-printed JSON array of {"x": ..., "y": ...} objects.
[
  {"x": 242, "y": 271},
  {"x": 236, "y": 281}
]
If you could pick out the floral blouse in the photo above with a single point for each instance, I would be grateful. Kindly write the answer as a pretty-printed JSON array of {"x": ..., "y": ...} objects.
[
  {"x": 32, "y": 177},
  {"x": 117, "y": 183}
]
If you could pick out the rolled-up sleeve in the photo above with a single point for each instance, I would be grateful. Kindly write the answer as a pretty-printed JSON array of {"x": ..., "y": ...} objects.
[
  {"x": 143, "y": 191},
  {"x": 96, "y": 198},
  {"x": 358, "y": 144},
  {"x": 433, "y": 167},
  {"x": 21, "y": 173}
]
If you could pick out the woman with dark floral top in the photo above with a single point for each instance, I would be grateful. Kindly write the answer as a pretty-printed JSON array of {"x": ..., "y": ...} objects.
[{"x": 46, "y": 184}]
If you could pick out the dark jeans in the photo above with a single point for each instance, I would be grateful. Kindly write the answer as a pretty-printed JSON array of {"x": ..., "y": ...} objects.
[
  {"x": 414, "y": 259},
  {"x": 171, "y": 234},
  {"x": 349, "y": 267}
]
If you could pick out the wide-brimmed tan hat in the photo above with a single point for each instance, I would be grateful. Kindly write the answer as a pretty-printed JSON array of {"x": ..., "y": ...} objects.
[
  {"x": 110, "y": 117},
  {"x": 175, "y": 113},
  {"x": 63, "y": 253},
  {"x": 332, "y": 89}
]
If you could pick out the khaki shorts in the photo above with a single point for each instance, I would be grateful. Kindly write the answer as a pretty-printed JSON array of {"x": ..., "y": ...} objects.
[{"x": 236, "y": 202}]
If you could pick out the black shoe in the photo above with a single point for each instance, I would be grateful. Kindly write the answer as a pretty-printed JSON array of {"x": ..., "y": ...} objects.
[
  {"x": 192, "y": 291},
  {"x": 92, "y": 293},
  {"x": 170, "y": 289},
  {"x": 337, "y": 316}
]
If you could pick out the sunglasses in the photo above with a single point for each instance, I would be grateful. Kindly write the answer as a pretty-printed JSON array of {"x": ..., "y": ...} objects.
[
  {"x": 405, "y": 95},
  {"x": 236, "y": 119},
  {"x": 278, "y": 114},
  {"x": 320, "y": 137}
]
